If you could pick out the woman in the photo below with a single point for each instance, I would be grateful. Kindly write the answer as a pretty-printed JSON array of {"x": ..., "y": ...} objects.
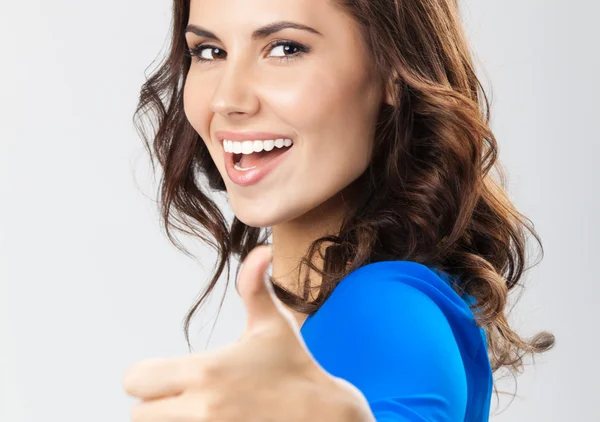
[{"x": 356, "y": 134}]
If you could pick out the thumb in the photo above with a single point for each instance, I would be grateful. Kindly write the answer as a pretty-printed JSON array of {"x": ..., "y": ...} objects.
[{"x": 255, "y": 290}]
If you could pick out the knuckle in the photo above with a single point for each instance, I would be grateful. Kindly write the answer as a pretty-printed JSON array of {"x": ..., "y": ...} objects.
[
  {"x": 216, "y": 404},
  {"x": 205, "y": 371},
  {"x": 209, "y": 408},
  {"x": 211, "y": 369}
]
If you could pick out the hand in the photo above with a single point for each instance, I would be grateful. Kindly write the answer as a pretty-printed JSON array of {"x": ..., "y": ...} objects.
[{"x": 269, "y": 375}]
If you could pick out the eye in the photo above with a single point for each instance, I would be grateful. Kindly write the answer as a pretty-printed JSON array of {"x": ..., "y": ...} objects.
[
  {"x": 282, "y": 49},
  {"x": 287, "y": 50},
  {"x": 206, "y": 52}
]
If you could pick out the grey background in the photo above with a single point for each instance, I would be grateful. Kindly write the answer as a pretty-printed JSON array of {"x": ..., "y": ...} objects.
[{"x": 90, "y": 285}]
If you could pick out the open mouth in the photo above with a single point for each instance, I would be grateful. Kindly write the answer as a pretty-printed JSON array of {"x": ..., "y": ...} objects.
[
  {"x": 248, "y": 162},
  {"x": 252, "y": 159},
  {"x": 256, "y": 159}
]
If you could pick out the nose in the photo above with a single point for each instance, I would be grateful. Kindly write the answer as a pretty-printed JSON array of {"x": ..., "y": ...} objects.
[{"x": 234, "y": 95}]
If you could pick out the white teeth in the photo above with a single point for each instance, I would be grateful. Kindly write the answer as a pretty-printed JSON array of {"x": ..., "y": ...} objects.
[
  {"x": 248, "y": 147},
  {"x": 235, "y": 165},
  {"x": 268, "y": 145}
]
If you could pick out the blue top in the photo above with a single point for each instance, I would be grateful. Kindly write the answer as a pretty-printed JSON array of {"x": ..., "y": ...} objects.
[{"x": 400, "y": 333}]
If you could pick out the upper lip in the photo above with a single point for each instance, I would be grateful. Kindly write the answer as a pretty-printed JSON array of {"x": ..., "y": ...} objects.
[{"x": 248, "y": 136}]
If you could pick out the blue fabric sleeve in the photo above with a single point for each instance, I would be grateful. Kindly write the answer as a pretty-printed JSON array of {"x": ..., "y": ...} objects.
[{"x": 394, "y": 343}]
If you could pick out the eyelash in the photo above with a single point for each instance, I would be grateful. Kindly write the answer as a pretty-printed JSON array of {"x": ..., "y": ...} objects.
[{"x": 302, "y": 49}]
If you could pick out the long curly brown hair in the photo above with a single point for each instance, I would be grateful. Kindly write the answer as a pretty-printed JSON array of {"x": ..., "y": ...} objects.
[{"x": 428, "y": 195}]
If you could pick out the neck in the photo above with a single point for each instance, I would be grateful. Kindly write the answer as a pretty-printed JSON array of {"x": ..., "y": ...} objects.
[{"x": 292, "y": 240}]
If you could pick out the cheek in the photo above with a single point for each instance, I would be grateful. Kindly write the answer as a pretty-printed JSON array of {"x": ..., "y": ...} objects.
[
  {"x": 334, "y": 112},
  {"x": 196, "y": 105},
  {"x": 305, "y": 99}
]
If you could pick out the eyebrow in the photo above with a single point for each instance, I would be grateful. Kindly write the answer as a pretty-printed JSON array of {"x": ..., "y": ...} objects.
[{"x": 262, "y": 32}]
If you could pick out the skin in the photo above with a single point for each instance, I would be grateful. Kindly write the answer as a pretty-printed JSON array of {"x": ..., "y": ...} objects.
[
  {"x": 327, "y": 100},
  {"x": 244, "y": 382}
]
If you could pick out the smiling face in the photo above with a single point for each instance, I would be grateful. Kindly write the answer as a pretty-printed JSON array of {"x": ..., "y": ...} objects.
[{"x": 315, "y": 86}]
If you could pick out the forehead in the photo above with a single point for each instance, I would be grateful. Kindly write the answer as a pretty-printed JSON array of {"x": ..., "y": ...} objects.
[{"x": 254, "y": 13}]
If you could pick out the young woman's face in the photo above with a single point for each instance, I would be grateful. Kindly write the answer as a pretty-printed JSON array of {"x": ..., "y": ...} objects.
[{"x": 318, "y": 89}]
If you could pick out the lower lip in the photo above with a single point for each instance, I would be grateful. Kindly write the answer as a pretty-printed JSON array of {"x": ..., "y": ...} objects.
[{"x": 250, "y": 177}]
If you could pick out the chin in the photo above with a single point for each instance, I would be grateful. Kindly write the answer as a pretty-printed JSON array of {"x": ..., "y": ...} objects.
[
  {"x": 252, "y": 221},
  {"x": 260, "y": 217},
  {"x": 258, "y": 220}
]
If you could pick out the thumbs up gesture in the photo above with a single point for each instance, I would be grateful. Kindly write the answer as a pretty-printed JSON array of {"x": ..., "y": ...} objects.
[{"x": 269, "y": 375}]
